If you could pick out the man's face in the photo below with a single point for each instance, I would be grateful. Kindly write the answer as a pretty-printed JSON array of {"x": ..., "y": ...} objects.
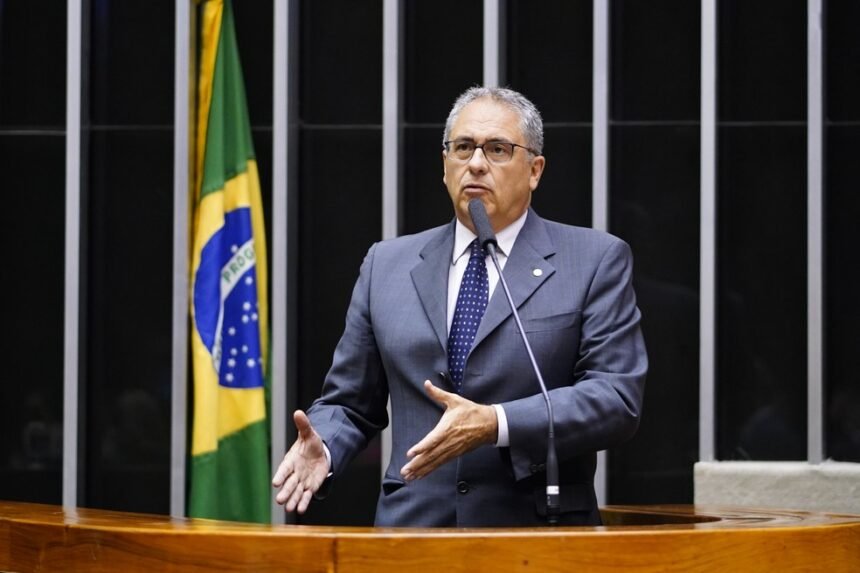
[{"x": 504, "y": 188}]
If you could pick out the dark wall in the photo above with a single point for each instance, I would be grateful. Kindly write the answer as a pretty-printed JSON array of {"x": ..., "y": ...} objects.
[
  {"x": 32, "y": 160},
  {"x": 761, "y": 230},
  {"x": 654, "y": 206},
  {"x": 842, "y": 211},
  {"x": 127, "y": 255}
]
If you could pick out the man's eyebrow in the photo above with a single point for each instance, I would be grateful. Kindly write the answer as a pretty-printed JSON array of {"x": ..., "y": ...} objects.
[{"x": 472, "y": 139}]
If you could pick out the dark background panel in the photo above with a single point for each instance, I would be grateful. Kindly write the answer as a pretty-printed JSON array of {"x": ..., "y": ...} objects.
[
  {"x": 340, "y": 218},
  {"x": 341, "y": 62},
  {"x": 654, "y": 199},
  {"x": 564, "y": 193},
  {"x": 31, "y": 393},
  {"x": 655, "y": 59},
  {"x": 443, "y": 55},
  {"x": 425, "y": 200},
  {"x": 32, "y": 64},
  {"x": 761, "y": 60},
  {"x": 131, "y": 59},
  {"x": 761, "y": 293},
  {"x": 842, "y": 283},
  {"x": 549, "y": 56},
  {"x": 254, "y": 35},
  {"x": 842, "y": 60},
  {"x": 654, "y": 206},
  {"x": 128, "y": 318}
]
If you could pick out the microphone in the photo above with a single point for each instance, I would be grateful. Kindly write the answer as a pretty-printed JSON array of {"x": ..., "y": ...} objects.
[
  {"x": 487, "y": 238},
  {"x": 478, "y": 212}
]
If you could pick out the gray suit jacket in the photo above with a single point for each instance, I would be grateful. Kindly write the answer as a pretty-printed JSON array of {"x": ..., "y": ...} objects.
[{"x": 581, "y": 319}]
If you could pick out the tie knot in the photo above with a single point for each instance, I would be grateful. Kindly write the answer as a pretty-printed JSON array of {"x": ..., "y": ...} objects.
[{"x": 477, "y": 250}]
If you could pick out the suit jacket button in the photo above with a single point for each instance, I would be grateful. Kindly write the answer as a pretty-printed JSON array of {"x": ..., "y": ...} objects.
[{"x": 463, "y": 487}]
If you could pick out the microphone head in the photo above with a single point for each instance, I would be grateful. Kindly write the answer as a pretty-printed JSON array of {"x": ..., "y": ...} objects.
[{"x": 481, "y": 223}]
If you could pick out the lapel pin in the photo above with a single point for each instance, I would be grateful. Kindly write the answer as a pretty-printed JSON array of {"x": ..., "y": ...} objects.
[{"x": 537, "y": 272}]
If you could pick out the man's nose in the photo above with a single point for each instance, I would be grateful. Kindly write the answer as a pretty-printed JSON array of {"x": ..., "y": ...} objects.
[{"x": 478, "y": 162}]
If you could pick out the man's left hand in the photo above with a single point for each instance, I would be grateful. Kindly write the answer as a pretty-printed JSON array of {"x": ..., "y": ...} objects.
[{"x": 464, "y": 426}]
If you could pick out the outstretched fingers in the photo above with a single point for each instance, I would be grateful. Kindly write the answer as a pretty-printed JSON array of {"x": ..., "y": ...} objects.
[{"x": 303, "y": 469}]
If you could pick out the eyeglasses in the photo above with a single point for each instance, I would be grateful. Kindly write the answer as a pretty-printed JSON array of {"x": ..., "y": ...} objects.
[{"x": 496, "y": 151}]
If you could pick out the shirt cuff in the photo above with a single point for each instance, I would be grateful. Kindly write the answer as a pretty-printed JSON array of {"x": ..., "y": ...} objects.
[
  {"x": 328, "y": 460},
  {"x": 503, "y": 440}
]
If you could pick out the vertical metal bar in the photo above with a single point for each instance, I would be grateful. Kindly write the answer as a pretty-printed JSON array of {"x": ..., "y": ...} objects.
[
  {"x": 71, "y": 326},
  {"x": 278, "y": 302},
  {"x": 600, "y": 167},
  {"x": 601, "y": 478},
  {"x": 708, "y": 230},
  {"x": 390, "y": 148},
  {"x": 814, "y": 235},
  {"x": 600, "y": 118},
  {"x": 182, "y": 105},
  {"x": 491, "y": 43},
  {"x": 390, "y": 116}
]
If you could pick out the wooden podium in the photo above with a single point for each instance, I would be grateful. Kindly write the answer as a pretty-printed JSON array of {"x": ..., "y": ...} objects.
[{"x": 643, "y": 539}]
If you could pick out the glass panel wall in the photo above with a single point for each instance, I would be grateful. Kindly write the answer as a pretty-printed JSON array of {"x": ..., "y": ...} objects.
[
  {"x": 761, "y": 232},
  {"x": 127, "y": 185},
  {"x": 654, "y": 205},
  {"x": 32, "y": 160},
  {"x": 842, "y": 259}
]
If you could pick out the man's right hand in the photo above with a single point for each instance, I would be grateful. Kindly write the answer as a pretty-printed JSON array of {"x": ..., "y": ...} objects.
[{"x": 304, "y": 468}]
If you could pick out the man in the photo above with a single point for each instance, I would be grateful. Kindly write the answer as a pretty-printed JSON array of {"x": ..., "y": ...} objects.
[{"x": 428, "y": 327}]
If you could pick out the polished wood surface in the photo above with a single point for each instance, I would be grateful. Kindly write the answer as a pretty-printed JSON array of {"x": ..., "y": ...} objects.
[{"x": 37, "y": 537}]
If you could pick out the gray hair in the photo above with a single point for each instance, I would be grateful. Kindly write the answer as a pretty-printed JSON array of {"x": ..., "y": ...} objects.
[{"x": 531, "y": 123}]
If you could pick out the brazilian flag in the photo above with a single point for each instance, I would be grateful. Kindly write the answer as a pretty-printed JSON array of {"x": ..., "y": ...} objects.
[{"x": 229, "y": 307}]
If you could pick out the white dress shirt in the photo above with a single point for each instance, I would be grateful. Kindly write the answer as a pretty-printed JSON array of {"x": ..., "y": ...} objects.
[{"x": 463, "y": 237}]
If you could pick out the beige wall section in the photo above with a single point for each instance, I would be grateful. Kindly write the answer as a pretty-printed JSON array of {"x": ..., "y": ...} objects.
[{"x": 829, "y": 486}]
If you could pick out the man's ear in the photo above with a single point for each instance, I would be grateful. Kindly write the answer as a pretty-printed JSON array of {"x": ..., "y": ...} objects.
[
  {"x": 444, "y": 166},
  {"x": 537, "y": 167}
]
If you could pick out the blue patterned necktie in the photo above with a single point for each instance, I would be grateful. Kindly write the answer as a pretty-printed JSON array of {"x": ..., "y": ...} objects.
[{"x": 471, "y": 304}]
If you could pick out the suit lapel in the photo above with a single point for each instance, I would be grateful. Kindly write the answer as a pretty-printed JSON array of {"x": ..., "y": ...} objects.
[
  {"x": 430, "y": 278},
  {"x": 530, "y": 252}
]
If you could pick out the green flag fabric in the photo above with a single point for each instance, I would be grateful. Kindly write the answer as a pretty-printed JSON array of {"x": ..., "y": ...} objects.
[{"x": 229, "y": 467}]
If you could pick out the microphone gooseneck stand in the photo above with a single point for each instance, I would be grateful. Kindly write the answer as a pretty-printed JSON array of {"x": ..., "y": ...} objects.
[{"x": 487, "y": 238}]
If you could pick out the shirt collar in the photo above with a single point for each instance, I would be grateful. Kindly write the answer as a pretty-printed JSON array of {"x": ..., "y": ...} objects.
[{"x": 463, "y": 237}]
